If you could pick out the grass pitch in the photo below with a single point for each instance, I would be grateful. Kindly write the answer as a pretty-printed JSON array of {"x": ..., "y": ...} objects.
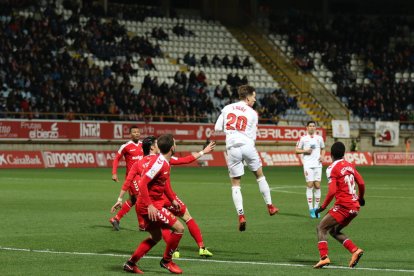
[{"x": 55, "y": 221}]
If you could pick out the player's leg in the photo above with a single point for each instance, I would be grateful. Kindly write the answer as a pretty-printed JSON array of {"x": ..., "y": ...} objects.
[
  {"x": 169, "y": 220},
  {"x": 309, "y": 178},
  {"x": 126, "y": 207},
  {"x": 236, "y": 170},
  {"x": 317, "y": 188},
  {"x": 195, "y": 232},
  {"x": 143, "y": 248},
  {"x": 254, "y": 163},
  {"x": 336, "y": 233},
  {"x": 326, "y": 224}
]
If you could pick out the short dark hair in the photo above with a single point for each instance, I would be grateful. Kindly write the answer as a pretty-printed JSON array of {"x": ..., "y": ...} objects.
[
  {"x": 147, "y": 143},
  {"x": 244, "y": 91},
  {"x": 338, "y": 150},
  {"x": 165, "y": 142},
  {"x": 310, "y": 122},
  {"x": 132, "y": 127}
]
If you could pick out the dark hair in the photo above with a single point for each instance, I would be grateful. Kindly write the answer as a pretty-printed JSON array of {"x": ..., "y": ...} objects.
[
  {"x": 244, "y": 91},
  {"x": 132, "y": 127},
  {"x": 338, "y": 150},
  {"x": 147, "y": 143},
  {"x": 310, "y": 122},
  {"x": 165, "y": 142}
]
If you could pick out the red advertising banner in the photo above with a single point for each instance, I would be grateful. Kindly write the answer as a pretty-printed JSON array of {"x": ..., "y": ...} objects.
[
  {"x": 357, "y": 158},
  {"x": 96, "y": 131},
  {"x": 394, "y": 158},
  {"x": 21, "y": 159}
]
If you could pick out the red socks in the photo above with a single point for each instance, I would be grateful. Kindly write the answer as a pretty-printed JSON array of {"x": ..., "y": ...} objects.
[
  {"x": 124, "y": 209},
  {"x": 172, "y": 245},
  {"x": 142, "y": 249},
  {"x": 195, "y": 232},
  {"x": 323, "y": 248},
  {"x": 350, "y": 246}
]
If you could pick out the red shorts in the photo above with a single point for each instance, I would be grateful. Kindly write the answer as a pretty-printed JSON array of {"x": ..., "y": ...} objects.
[
  {"x": 177, "y": 212},
  {"x": 164, "y": 220},
  {"x": 342, "y": 215}
]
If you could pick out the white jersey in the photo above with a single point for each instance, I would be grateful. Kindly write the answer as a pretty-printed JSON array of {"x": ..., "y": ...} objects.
[
  {"x": 239, "y": 122},
  {"x": 314, "y": 142}
]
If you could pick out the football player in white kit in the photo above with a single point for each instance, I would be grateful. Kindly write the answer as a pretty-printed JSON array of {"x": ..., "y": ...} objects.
[
  {"x": 239, "y": 122},
  {"x": 312, "y": 148}
]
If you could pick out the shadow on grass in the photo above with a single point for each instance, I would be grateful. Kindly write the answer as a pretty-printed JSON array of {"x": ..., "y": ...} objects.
[{"x": 109, "y": 227}]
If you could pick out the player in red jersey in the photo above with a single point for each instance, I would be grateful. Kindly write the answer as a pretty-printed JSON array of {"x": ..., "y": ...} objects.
[
  {"x": 149, "y": 147},
  {"x": 132, "y": 152},
  {"x": 342, "y": 177},
  {"x": 150, "y": 205}
]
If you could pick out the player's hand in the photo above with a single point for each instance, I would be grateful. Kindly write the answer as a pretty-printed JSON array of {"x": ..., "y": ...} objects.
[
  {"x": 209, "y": 146},
  {"x": 307, "y": 151},
  {"x": 116, "y": 206},
  {"x": 152, "y": 212},
  {"x": 115, "y": 177},
  {"x": 319, "y": 210},
  {"x": 176, "y": 205},
  {"x": 361, "y": 201}
]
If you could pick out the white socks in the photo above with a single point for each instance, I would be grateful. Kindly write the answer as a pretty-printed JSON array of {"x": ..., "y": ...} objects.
[
  {"x": 264, "y": 189},
  {"x": 237, "y": 199},
  {"x": 309, "y": 196},
  {"x": 317, "y": 197}
]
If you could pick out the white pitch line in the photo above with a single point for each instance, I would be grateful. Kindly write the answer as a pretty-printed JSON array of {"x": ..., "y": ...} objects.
[{"x": 202, "y": 260}]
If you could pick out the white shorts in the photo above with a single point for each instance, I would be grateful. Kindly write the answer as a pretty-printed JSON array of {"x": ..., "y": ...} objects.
[
  {"x": 312, "y": 174},
  {"x": 236, "y": 156}
]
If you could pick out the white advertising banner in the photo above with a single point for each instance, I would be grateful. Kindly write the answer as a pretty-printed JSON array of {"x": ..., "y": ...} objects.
[
  {"x": 387, "y": 133},
  {"x": 340, "y": 129}
]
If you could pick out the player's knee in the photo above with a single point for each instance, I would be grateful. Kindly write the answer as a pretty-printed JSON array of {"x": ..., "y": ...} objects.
[{"x": 178, "y": 227}]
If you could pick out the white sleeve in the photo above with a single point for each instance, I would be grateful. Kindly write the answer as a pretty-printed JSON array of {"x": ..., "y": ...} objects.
[
  {"x": 219, "y": 126},
  {"x": 322, "y": 143}
]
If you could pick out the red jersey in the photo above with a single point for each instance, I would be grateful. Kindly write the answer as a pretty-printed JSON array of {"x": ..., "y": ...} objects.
[
  {"x": 133, "y": 177},
  {"x": 131, "y": 152},
  {"x": 342, "y": 177},
  {"x": 152, "y": 185}
]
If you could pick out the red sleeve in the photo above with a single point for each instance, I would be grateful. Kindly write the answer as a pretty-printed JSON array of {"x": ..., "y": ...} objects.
[
  {"x": 182, "y": 160},
  {"x": 331, "y": 193},
  {"x": 115, "y": 163},
  {"x": 131, "y": 175},
  {"x": 361, "y": 184},
  {"x": 143, "y": 188},
  {"x": 171, "y": 195}
]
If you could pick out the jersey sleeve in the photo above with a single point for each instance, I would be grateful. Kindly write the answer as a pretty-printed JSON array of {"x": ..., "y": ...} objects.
[
  {"x": 115, "y": 163},
  {"x": 171, "y": 195},
  {"x": 131, "y": 175},
  {"x": 331, "y": 191},
  {"x": 360, "y": 182},
  {"x": 182, "y": 160},
  {"x": 322, "y": 143},
  {"x": 299, "y": 144},
  {"x": 219, "y": 126}
]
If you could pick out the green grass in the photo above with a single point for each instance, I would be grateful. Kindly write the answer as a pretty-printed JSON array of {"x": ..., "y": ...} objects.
[{"x": 61, "y": 215}]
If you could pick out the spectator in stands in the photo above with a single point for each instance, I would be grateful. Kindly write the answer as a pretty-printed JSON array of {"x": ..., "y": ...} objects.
[
  {"x": 225, "y": 61},
  {"x": 216, "y": 61},
  {"x": 236, "y": 63},
  {"x": 204, "y": 60},
  {"x": 247, "y": 63}
]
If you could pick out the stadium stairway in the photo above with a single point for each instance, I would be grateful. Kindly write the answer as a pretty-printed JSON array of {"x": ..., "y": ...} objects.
[{"x": 321, "y": 105}]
